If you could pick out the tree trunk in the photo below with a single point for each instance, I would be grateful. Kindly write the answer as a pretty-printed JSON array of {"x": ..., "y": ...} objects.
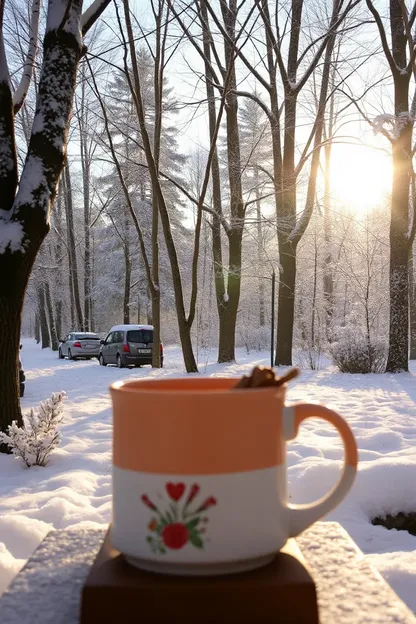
[
  {"x": 286, "y": 222},
  {"x": 37, "y": 328},
  {"x": 10, "y": 309},
  {"x": 260, "y": 259},
  {"x": 44, "y": 330},
  {"x": 127, "y": 283},
  {"x": 328, "y": 277},
  {"x": 397, "y": 360},
  {"x": 51, "y": 320},
  {"x": 313, "y": 361},
  {"x": 86, "y": 174},
  {"x": 87, "y": 250},
  {"x": 237, "y": 209},
  {"x": 216, "y": 189},
  {"x": 412, "y": 307},
  {"x": 286, "y": 303},
  {"x": 156, "y": 363},
  {"x": 72, "y": 302},
  {"x": 59, "y": 260},
  {"x": 228, "y": 314},
  {"x": 73, "y": 265},
  {"x": 158, "y": 88},
  {"x": 58, "y": 319}
]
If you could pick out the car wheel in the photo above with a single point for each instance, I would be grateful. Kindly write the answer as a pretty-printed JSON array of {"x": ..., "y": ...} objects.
[
  {"x": 102, "y": 360},
  {"x": 119, "y": 361},
  {"x": 22, "y": 389},
  {"x": 60, "y": 356},
  {"x": 70, "y": 356}
]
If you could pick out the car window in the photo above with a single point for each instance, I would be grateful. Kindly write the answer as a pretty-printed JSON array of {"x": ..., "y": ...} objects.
[
  {"x": 140, "y": 335},
  {"x": 109, "y": 338},
  {"x": 118, "y": 336},
  {"x": 69, "y": 337},
  {"x": 86, "y": 337}
]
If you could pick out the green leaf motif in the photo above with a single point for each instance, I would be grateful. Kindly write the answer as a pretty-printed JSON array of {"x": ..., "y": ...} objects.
[
  {"x": 169, "y": 518},
  {"x": 196, "y": 540},
  {"x": 192, "y": 524}
]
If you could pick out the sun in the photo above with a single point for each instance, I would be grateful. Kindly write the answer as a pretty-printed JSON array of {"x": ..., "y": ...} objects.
[{"x": 360, "y": 177}]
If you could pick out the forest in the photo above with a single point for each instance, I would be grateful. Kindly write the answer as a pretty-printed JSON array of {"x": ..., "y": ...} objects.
[{"x": 211, "y": 148}]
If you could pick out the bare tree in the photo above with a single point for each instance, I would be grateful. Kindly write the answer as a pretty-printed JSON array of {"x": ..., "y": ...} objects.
[
  {"x": 397, "y": 128},
  {"x": 281, "y": 75},
  {"x": 185, "y": 320},
  {"x": 221, "y": 76}
]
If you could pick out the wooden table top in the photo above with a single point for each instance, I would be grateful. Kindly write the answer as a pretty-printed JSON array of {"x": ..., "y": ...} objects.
[{"x": 350, "y": 590}]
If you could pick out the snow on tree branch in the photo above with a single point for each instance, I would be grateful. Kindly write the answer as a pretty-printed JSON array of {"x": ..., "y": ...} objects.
[
  {"x": 22, "y": 89},
  {"x": 64, "y": 16},
  {"x": 91, "y": 14},
  {"x": 396, "y": 122},
  {"x": 46, "y": 152},
  {"x": 11, "y": 233}
]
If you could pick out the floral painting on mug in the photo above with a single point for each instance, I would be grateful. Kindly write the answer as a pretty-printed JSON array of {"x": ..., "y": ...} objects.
[{"x": 182, "y": 521}]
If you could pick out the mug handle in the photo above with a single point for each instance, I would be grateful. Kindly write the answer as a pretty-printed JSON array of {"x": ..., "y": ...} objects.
[{"x": 302, "y": 516}]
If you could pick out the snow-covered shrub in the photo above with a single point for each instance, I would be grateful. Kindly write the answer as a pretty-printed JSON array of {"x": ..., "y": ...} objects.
[
  {"x": 353, "y": 353},
  {"x": 252, "y": 337},
  {"x": 308, "y": 356},
  {"x": 37, "y": 439}
]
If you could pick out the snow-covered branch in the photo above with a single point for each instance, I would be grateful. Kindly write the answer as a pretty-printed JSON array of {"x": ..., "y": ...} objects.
[
  {"x": 47, "y": 147},
  {"x": 90, "y": 16},
  {"x": 23, "y": 87}
]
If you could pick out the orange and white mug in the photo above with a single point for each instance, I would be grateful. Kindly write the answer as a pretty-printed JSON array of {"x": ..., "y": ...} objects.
[{"x": 199, "y": 474}]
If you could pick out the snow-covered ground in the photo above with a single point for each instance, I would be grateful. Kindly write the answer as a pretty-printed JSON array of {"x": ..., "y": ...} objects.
[{"x": 75, "y": 488}]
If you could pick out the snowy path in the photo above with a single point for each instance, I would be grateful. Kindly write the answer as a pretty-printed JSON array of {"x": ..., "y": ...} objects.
[{"x": 75, "y": 489}]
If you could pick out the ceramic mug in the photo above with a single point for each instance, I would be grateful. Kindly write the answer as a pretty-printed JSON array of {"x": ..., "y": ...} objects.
[{"x": 199, "y": 474}]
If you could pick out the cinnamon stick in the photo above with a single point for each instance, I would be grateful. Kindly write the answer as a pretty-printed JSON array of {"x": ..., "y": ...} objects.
[{"x": 265, "y": 377}]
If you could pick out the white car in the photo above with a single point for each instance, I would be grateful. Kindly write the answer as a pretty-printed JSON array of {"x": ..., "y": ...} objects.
[{"x": 79, "y": 345}]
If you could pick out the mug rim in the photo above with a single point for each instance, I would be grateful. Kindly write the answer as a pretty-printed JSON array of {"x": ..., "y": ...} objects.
[{"x": 185, "y": 386}]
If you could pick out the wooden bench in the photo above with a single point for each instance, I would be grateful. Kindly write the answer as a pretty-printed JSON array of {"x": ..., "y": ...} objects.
[{"x": 350, "y": 590}]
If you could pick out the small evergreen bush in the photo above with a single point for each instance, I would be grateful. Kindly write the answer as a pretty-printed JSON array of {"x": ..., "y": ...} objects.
[{"x": 40, "y": 436}]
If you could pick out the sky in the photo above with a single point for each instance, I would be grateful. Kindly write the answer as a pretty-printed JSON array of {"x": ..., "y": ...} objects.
[{"x": 361, "y": 163}]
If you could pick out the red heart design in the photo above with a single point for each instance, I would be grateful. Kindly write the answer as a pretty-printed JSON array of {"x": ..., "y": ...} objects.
[{"x": 175, "y": 490}]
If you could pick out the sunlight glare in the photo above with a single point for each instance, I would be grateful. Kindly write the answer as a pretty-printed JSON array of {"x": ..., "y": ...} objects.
[{"x": 360, "y": 177}]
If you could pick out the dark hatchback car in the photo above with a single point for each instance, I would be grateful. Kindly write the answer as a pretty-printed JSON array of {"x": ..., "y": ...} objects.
[{"x": 128, "y": 345}]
